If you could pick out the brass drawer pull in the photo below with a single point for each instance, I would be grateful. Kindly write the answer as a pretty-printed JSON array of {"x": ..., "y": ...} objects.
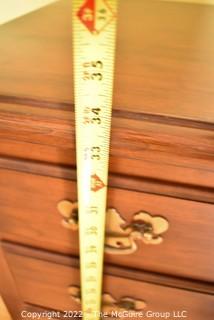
[
  {"x": 109, "y": 303},
  {"x": 120, "y": 236},
  {"x": 69, "y": 211}
]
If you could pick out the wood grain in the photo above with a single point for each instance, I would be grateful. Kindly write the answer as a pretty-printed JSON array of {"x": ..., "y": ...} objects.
[
  {"x": 8, "y": 289},
  {"x": 138, "y": 148},
  {"x": 162, "y": 143},
  {"x": 46, "y": 283},
  {"x": 154, "y": 186},
  {"x": 167, "y": 69},
  {"x": 141, "y": 275},
  {"x": 29, "y": 215},
  {"x": 162, "y": 111}
]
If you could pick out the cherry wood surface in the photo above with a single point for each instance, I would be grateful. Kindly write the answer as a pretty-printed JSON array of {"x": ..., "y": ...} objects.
[
  {"x": 140, "y": 275},
  {"x": 41, "y": 282},
  {"x": 164, "y": 61},
  {"x": 162, "y": 109},
  {"x": 145, "y": 184},
  {"x": 161, "y": 156},
  {"x": 8, "y": 289},
  {"x": 29, "y": 215},
  {"x": 139, "y": 148}
]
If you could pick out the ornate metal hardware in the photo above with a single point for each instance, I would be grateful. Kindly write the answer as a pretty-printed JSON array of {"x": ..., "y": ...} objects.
[
  {"x": 120, "y": 236},
  {"x": 69, "y": 211},
  {"x": 109, "y": 303}
]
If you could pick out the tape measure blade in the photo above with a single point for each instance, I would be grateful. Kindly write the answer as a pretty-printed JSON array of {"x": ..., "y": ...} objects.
[{"x": 94, "y": 28}]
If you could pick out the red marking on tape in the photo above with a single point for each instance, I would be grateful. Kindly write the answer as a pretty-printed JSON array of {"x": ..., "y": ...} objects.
[
  {"x": 96, "y": 183},
  {"x": 95, "y": 19},
  {"x": 86, "y": 14}
]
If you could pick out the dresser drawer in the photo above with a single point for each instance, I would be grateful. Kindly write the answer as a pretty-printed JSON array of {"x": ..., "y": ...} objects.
[
  {"x": 52, "y": 281},
  {"x": 30, "y": 215}
]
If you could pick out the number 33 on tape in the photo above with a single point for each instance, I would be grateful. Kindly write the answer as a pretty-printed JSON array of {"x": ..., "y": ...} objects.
[{"x": 94, "y": 33}]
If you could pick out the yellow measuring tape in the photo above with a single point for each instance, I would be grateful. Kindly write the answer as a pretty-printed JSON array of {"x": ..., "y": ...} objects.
[{"x": 94, "y": 29}]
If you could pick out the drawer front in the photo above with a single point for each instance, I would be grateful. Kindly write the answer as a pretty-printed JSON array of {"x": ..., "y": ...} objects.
[
  {"x": 30, "y": 215},
  {"x": 54, "y": 284}
]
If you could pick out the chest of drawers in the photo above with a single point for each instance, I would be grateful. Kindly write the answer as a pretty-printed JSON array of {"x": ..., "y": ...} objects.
[{"x": 160, "y": 218}]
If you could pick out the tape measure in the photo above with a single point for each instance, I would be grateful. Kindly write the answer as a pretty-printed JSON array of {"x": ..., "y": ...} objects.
[{"x": 94, "y": 29}]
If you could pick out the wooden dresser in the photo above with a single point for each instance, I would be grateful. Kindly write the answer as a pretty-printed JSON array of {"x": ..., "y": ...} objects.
[{"x": 160, "y": 219}]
